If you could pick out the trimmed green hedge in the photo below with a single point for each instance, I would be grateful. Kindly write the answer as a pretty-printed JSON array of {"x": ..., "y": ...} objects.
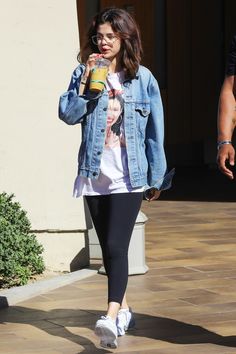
[{"x": 20, "y": 252}]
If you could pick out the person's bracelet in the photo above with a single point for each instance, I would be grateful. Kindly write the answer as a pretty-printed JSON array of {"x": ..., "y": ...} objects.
[
  {"x": 224, "y": 142},
  {"x": 84, "y": 80}
]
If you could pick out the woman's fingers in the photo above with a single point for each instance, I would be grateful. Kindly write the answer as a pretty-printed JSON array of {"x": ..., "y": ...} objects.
[
  {"x": 152, "y": 194},
  {"x": 92, "y": 59}
]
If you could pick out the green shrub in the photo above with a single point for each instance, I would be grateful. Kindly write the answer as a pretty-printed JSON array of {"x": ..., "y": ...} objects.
[{"x": 20, "y": 252}]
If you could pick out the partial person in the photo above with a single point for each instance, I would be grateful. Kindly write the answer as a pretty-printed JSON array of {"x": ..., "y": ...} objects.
[
  {"x": 121, "y": 156},
  {"x": 227, "y": 116}
]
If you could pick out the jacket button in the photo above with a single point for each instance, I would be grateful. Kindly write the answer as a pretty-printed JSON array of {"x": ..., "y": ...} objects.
[
  {"x": 102, "y": 130},
  {"x": 99, "y": 153},
  {"x": 105, "y": 109},
  {"x": 94, "y": 173}
]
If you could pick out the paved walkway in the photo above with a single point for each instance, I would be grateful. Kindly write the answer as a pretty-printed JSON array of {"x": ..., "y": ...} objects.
[{"x": 186, "y": 303}]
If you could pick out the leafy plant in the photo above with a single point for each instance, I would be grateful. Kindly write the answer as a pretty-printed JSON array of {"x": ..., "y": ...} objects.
[{"x": 20, "y": 252}]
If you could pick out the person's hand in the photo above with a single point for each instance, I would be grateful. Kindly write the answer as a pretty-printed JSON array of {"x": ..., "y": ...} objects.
[
  {"x": 226, "y": 153},
  {"x": 89, "y": 66},
  {"x": 152, "y": 194},
  {"x": 91, "y": 63}
]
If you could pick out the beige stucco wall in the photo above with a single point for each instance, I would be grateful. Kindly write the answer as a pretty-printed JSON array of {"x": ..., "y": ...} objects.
[
  {"x": 64, "y": 251},
  {"x": 38, "y": 152}
]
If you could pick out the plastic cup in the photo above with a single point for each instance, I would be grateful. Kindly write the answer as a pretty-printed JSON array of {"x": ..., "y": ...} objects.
[{"x": 99, "y": 74}]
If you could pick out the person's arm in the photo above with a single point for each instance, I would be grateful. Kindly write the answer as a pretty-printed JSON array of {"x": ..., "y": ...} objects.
[
  {"x": 84, "y": 81},
  {"x": 72, "y": 103},
  {"x": 154, "y": 142},
  {"x": 226, "y": 124}
]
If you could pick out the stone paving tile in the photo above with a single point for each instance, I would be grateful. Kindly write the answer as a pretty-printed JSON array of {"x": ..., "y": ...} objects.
[{"x": 184, "y": 304}]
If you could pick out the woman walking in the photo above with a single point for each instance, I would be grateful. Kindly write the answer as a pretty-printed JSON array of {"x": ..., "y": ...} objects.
[{"x": 121, "y": 155}]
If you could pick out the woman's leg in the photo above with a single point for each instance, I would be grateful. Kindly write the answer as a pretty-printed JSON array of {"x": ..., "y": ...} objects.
[
  {"x": 114, "y": 307},
  {"x": 114, "y": 217},
  {"x": 124, "y": 208},
  {"x": 99, "y": 210},
  {"x": 124, "y": 304}
]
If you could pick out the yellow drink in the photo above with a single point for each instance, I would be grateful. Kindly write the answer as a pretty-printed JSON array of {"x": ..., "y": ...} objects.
[{"x": 99, "y": 74}]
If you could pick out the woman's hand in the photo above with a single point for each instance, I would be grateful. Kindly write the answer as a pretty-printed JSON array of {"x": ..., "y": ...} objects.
[
  {"x": 90, "y": 64},
  {"x": 152, "y": 194}
]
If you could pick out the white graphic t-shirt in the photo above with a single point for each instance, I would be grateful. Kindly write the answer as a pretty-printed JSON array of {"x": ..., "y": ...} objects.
[{"x": 114, "y": 174}]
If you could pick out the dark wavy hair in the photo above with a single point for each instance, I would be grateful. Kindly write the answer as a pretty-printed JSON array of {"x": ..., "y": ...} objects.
[{"x": 125, "y": 27}]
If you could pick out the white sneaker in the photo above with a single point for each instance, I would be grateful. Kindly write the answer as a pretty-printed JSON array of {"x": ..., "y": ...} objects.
[
  {"x": 125, "y": 321},
  {"x": 106, "y": 330}
]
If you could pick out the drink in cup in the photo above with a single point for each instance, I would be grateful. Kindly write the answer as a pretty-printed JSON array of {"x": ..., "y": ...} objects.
[{"x": 99, "y": 74}]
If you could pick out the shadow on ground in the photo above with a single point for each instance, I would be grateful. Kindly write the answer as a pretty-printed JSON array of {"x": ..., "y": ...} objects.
[
  {"x": 56, "y": 322},
  {"x": 201, "y": 184}
]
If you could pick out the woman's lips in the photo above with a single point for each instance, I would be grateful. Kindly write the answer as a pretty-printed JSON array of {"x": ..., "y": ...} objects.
[
  {"x": 109, "y": 120},
  {"x": 104, "y": 50}
]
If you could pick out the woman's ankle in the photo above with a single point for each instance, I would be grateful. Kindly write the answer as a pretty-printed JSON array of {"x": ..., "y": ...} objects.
[
  {"x": 113, "y": 309},
  {"x": 124, "y": 308}
]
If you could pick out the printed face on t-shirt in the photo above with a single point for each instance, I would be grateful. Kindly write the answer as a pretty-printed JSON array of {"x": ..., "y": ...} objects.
[
  {"x": 114, "y": 132},
  {"x": 114, "y": 111}
]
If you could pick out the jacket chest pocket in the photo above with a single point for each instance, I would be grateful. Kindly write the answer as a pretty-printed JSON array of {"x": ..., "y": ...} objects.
[{"x": 142, "y": 111}]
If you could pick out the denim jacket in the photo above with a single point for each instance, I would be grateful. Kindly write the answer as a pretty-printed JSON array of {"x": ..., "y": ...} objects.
[{"x": 143, "y": 124}]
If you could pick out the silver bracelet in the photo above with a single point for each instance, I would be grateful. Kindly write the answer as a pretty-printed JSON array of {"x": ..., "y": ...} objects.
[{"x": 224, "y": 142}]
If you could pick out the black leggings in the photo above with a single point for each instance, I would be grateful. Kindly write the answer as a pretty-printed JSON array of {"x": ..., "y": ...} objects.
[{"x": 114, "y": 216}]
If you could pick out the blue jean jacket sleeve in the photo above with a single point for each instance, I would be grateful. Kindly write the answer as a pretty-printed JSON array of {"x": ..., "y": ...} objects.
[
  {"x": 73, "y": 107},
  {"x": 157, "y": 166}
]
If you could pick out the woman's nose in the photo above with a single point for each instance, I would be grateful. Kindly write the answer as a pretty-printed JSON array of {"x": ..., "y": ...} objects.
[{"x": 103, "y": 39}]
